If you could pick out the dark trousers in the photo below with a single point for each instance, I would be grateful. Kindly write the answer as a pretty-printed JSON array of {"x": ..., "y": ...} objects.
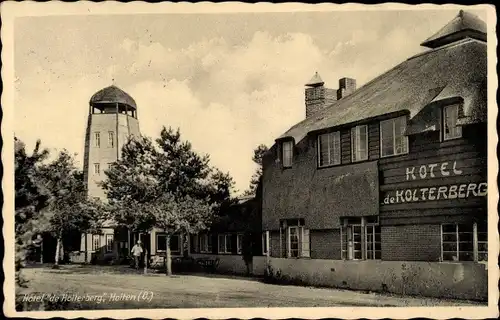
[{"x": 137, "y": 259}]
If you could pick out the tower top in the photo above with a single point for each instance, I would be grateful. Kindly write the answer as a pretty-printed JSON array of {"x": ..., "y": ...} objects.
[
  {"x": 315, "y": 81},
  {"x": 464, "y": 25},
  {"x": 112, "y": 95}
]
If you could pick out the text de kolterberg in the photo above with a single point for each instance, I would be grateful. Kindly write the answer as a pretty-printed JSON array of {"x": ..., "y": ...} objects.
[{"x": 443, "y": 192}]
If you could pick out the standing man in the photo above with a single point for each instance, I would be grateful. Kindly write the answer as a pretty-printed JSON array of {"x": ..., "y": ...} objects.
[{"x": 136, "y": 252}]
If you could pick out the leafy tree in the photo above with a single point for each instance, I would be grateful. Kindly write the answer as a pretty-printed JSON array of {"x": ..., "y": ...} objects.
[
  {"x": 258, "y": 154},
  {"x": 166, "y": 185},
  {"x": 69, "y": 211},
  {"x": 29, "y": 200}
]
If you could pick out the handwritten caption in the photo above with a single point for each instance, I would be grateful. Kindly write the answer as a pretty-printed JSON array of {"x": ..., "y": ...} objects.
[{"x": 146, "y": 296}]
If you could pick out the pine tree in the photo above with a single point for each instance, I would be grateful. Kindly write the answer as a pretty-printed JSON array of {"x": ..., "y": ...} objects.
[
  {"x": 30, "y": 199},
  {"x": 258, "y": 155}
]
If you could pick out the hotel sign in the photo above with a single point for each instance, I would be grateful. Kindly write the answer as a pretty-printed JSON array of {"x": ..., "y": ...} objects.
[
  {"x": 433, "y": 193},
  {"x": 432, "y": 170}
]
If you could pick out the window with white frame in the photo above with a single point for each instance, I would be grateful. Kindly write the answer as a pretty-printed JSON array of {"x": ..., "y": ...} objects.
[
  {"x": 329, "y": 149},
  {"x": 111, "y": 139},
  {"x": 109, "y": 242},
  {"x": 161, "y": 243},
  {"x": 372, "y": 243},
  {"x": 359, "y": 143},
  {"x": 464, "y": 242},
  {"x": 298, "y": 244},
  {"x": 97, "y": 168},
  {"x": 225, "y": 243},
  {"x": 450, "y": 118},
  {"x": 393, "y": 140},
  {"x": 205, "y": 243},
  {"x": 96, "y": 242},
  {"x": 287, "y": 155},
  {"x": 239, "y": 243},
  {"x": 360, "y": 238},
  {"x": 97, "y": 139}
]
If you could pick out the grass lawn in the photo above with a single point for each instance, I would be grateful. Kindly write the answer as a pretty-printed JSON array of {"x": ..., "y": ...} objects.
[{"x": 194, "y": 291}]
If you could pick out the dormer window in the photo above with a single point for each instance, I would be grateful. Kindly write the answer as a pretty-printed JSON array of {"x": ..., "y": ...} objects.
[
  {"x": 287, "y": 153},
  {"x": 450, "y": 118}
]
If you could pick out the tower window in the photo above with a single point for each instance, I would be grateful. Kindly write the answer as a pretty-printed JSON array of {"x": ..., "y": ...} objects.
[
  {"x": 111, "y": 139},
  {"x": 97, "y": 139},
  {"x": 97, "y": 168}
]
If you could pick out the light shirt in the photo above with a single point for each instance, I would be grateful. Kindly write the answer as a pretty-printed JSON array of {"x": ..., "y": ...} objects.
[{"x": 137, "y": 250}]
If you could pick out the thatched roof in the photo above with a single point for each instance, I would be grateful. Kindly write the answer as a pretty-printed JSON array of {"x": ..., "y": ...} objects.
[
  {"x": 113, "y": 94},
  {"x": 455, "y": 70},
  {"x": 464, "y": 25}
]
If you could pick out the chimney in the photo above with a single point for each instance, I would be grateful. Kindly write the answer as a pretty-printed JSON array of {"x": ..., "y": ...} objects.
[
  {"x": 346, "y": 87},
  {"x": 317, "y": 96}
]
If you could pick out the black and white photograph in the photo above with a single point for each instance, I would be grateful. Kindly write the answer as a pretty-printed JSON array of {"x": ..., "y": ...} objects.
[{"x": 236, "y": 160}]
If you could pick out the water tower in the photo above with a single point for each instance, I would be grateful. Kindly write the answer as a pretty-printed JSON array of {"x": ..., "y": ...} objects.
[{"x": 112, "y": 119}]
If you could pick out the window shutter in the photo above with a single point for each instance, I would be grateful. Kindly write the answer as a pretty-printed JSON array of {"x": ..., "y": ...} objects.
[{"x": 305, "y": 243}]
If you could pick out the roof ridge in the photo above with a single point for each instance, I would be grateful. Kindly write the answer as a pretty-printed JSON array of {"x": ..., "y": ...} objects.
[{"x": 446, "y": 46}]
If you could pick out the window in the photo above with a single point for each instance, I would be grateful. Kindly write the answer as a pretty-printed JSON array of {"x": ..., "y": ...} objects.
[
  {"x": 161, "y": 244},
  {"x": 298, "y": 242},
  {"x": 111, "y": 139},
  {"x": 373, "y": 250},
  {"x": 393, "y": 140},
  {"x": 265, "y": 242},
  {"x": 97, "y": 139},
  {"x": 482, "y": 242},
  {"x": 464, "y": 242},
  {"x": 109, "y": 243},
  {"x": 360, "y": 238},
  {"x": 287, "y": 154},
  {"x": 450, "y": 118},
  {"x": 359, "y": 143},
  {"x": 293, "y": 242},
  {"x": 205, "y": 243},
  {"x": 225, "y": 243},
  {"x": 239, "y": 243},
  {"x": 329, "y": 149},
  {"x": 97, "y": 168},
  {"x": 96, "y": 243}
]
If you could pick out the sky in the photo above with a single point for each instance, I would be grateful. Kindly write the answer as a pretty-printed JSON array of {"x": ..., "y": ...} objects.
[{"x": 229, "y": 81}]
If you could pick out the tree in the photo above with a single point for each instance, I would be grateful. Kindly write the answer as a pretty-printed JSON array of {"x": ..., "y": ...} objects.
[
  {"x": 258, "y": 155},
  {"x": 30, "y": 199},
  {"x": 69, "y": 211},
  {"x": 166, "y": 185}
]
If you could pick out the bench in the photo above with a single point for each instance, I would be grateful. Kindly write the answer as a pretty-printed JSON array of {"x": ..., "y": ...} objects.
[{"x": 208, "y": 264}]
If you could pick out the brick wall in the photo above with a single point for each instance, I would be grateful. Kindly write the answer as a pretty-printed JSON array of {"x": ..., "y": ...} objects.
[
  {"x": 411, "y": 243},
  {"x": 325, "y": 244}
]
